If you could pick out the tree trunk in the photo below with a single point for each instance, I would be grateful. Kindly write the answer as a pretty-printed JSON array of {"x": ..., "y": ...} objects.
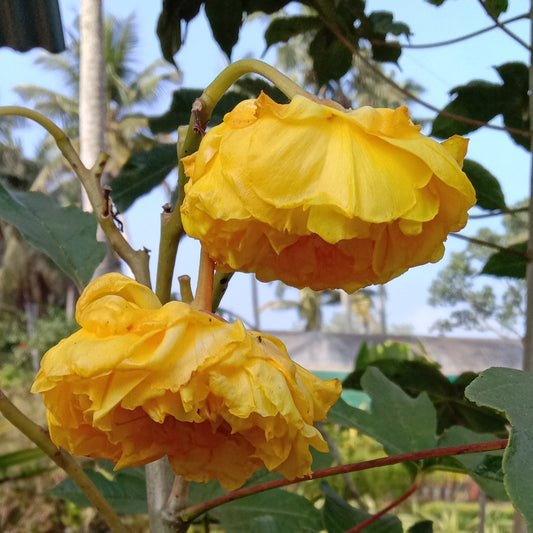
[
  {"x": 519, "y": 523},
  {"x": 93, "y": 105}
]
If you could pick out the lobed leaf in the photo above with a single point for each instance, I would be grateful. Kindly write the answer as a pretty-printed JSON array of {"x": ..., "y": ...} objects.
[
  {"x": 511, "y": 391},
  {"x": 66, "y": 234},
  {"x": 400, "y": 423}
]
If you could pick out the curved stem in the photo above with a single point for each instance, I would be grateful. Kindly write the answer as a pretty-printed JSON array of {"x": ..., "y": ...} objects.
[
  {"x": 63, "y": 459},
  {"x": 214, "y": 91},
  {"x": 194, "y": 511},
  {"x": 369, "y": 521},
  {"x": 136, "y": 259}
]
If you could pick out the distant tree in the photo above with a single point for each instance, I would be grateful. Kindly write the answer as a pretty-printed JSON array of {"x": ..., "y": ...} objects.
[{"x": 477, "y": 302}]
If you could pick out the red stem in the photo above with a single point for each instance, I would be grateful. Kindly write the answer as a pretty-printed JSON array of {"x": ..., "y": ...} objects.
[
  {"x": 194, "y": 510},
  {"x": 370, "y": 520}
]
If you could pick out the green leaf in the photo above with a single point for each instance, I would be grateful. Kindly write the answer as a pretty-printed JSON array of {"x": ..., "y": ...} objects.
[
  {"x": 66, "y": 234},
  {"x": 507, "y": 265},
  {"x": 125, "y": 491},
  {"x": 281, "y": 30},
  {"x": 400, "y": 423},
  {"x": 511, "y": 391},
  {"x": 19, "y": 457},
  {"x": 169, "y": 24},
  {"x": 340, "y": 516},
  {"x": 383, "y": 24},
  {"x": 488, "y": 190},
  {"x": 225, "y": 18},
  {"x": 496, "y": 7},
  {"x": 478, "y": 100},
  {"x": 436, "y": 2},
  {"x": 416, "y": 377},
  {"x": 425, "y": 526},
  {"x": 264, "y": 6},
  {"x": 331, "y": 58},
  {"x": 515, "y": 76},
  {"x": 485, "y": 468},
  {"x": 142, "y": 172},
  {"x": 274, "y": 511}
]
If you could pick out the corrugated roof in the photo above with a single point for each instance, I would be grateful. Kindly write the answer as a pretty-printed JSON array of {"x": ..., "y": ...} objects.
[
  {"x": 26, "y": 24},
  {"x": 336, "y": 352}
]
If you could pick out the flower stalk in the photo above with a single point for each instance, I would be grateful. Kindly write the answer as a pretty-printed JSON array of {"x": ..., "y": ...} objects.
[{"x": 90, "y": 179}]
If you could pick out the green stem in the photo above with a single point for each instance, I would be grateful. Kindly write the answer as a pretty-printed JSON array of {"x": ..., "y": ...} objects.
[
  {"x": 194, "y": 511},
  {"x": 63, "y": 459},
  {"x": 136, "y": 259},
  {"x": 214, "y": 91}
]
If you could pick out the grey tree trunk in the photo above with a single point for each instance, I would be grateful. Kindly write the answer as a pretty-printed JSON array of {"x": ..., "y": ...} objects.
[
  {"x": 93, "y": 104},
  {"x": 519, "y": 525}
]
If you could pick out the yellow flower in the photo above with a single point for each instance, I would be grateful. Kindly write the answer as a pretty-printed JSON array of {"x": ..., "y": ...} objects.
[
  {"x": 325, "y": 198},
  {"x": 140, "y": 381}
]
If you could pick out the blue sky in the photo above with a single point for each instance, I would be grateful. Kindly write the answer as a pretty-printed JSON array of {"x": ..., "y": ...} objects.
[{"x": 437, "y": 69}]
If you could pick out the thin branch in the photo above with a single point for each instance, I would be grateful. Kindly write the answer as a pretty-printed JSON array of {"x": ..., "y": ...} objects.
[
  {"x": 449, "y": 41},
  {"x": 194, "y": 511},
  {"x": 503, "y": 28},
  {"x": 500, "y": 212},
  {"x": 136, "y": 259},
  {"x": 506, "y": 249},
  {"x": 369, "y": 521},
  {"x": 63, "y": 459},
  {"x": 411, "y": 96}
]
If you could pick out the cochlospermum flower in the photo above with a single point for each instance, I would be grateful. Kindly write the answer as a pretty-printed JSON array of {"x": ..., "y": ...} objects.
[
  {"x": 322, "y": 197},
  {"x": 140, "y": 381}
]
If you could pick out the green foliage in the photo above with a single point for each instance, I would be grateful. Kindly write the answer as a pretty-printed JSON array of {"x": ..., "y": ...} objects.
[
  {"x": 125, "y": 489},
  {"x": 225, "y": 18},
  {"x": 142, "y": 172},
  {"x": 511, "y": 391},
  {"x": 496, "y": 7},
  {"x": 67, "y": 235},
  {"x": 340, "y": 516},
  {"x": 481, "y": 101},
  {"x": 488, "y": 190},
  {"x": 476, "y": 304},
  {"x": 507, "y": 264}
]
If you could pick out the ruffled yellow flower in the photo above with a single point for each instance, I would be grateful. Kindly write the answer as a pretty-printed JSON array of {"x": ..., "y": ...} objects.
[
  {"x": 320, "y": 197},
  {"x": 140, "y": 381}
]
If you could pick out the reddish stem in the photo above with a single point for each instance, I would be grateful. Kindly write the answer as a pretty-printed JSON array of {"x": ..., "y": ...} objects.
[
  {"x": 194, "y": 510},
  {"x": 370, "y": 520}
]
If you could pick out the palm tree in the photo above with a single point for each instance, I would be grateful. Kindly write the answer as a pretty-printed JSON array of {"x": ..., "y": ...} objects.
[{"x": 126, "y": 91}]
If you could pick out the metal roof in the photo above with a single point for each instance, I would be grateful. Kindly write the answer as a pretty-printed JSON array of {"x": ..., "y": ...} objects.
[{"x": 26, "y": 24}]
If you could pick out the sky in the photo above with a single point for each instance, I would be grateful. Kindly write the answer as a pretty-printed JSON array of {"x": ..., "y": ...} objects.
[{"x": 436, "y": 69}]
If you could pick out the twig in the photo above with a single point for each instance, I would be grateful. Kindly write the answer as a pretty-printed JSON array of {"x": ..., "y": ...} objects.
[
  {"x": 369, "y": 521},
  {"x": 90, "y": 179},
  {"x": 503, "y": 28},
  {"x": 506, "y": 249},
  {"x": 63, "y": 459},
  {"x": 455, "y": 40},
  {"x": 204, "y": 290},
  {"x": 500, "y": 212},
  {"x": 194, "y": 511},
  {"x": 411, "y": 96}
]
